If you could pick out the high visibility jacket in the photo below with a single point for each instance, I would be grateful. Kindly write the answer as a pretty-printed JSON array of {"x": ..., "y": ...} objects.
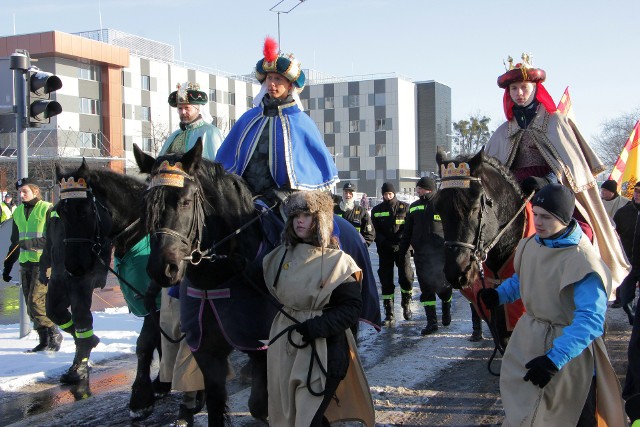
[
  {"x": 30, "y": 229},
  {"x": 6, "y": 212},
  {"x": 359, "y": 218},
  {"x": 388, "y": 221},
  {"x": 423, "y": 227}
]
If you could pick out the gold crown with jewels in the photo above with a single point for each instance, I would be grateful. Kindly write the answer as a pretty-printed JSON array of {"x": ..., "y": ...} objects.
[
  {"x": 72, "y": 189},
  {"x": 453, "y": 176},
  {"x": 169, "y": 174}
]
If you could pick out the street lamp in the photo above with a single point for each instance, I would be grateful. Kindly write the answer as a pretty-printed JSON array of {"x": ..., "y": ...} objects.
[{"x": 286, "y": 8}]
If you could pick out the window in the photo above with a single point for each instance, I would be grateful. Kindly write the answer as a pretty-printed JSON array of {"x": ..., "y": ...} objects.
[
  {"x": 88, "y": 140},
  {"x": 354, "y": 151},
  {"x": 380, "y": 99},
  {"x": 381, "y": 124},
  {"x": 89, "y": 106},
  {"x": 354, "y": 125},
  {"x": 354, "y": 101},
  {"x": 146, "y": 144},
  {"x": 328, "y": 127},
  {"x": 88, "y": 72},
  {"x": 231, "y": 98},
  {"x": 145, "y": 112},
  {"x": 320, "y": 103},
  {"x": 380, "y": 150},
  {"x": 212, "y": 95},
  {"x": 145, "y": 82},
  {"x": 231, "y": 123},
  {"x": 249, "y": 102},
  {"x": 328, "y": 102},
  {"x": 305, "y": 103}
]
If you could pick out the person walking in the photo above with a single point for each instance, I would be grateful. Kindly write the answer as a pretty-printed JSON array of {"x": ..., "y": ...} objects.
[
  {"x": 27, "y": 243},
  {"x": 8, "y": 207},
  {"x": 356, "y": 215},
  {"x": 388, "y": 220}
]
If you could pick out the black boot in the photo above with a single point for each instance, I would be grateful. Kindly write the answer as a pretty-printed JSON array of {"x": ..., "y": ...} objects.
[
  {"x": 55, "y": 339},
  {"x": 44, "y": 340},
  {"x": 432, "y": 320},
  {"x": 389, "y": 319},
  {"x": 80, "y": 368},
  {"x": 446, "y": 313},
  {"x": 477, "y": 326},
  {"x": 405, "y": 303}
]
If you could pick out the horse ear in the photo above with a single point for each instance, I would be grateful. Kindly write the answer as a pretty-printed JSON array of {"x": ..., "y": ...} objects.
[
  {"x": 59, "y": 172},
  {"x": 84, "y": 168},
  {"x": 477, "y": 160},
  {"x": 192, "y": 158},
  {"x": 145, "y": 162},
  {"x": 440, "y": 155}
]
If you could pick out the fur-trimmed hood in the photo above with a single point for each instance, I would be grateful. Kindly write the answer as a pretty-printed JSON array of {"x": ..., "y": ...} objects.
[{"x": 319, "y": 204}]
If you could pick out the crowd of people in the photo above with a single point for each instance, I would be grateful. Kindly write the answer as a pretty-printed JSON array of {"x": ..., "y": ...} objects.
[{"x": 555, "y": 371}]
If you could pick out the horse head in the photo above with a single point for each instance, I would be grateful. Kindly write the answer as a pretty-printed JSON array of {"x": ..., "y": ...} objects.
[
  {"x": 477, "y": 199},
  {"x": 87, "y": 222},
  {"x": 172, "y": 211}
]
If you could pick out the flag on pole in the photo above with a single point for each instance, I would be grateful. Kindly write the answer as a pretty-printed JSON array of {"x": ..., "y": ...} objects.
[
  {"x": 627, "y": 168},
  {"x": 565, "y": 107}
]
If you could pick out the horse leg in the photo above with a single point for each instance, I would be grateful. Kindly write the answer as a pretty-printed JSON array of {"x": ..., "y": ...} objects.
[
  {"x": 142, "y": 398},
  {"x": 212, "y": 360},
  {"x": 258, "y": 400}
]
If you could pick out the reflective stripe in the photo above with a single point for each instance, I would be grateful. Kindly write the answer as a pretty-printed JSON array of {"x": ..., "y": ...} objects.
[
  {"x": 340, "y": 215},
  {"x": 390, "y": 296},
  {"x": 437, "y": 218},
  {"x": 399, "y": 221},
  {"x": 428, "y": 303},
  {"x": 67, "y": 325},
  {"x": 378, "y": 214},
  {"x": 416, "y": 208},
  {"x": 405, "y": 292},
  {"x": 30, "y": 235},
  {"x": 85, "y": 334},
  {"x": 358, "y": 228}
]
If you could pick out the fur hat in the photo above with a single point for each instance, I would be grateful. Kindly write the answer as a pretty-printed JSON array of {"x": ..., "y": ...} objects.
[
  {"x": 276, "y": 62},
  {"x": 611, "y": 185},
  {"x": 188, "y": 93},
  {"x": 556, "y": 199},
  {"x": 427, "y": 183},
  {"x": 319, "y": 204}
]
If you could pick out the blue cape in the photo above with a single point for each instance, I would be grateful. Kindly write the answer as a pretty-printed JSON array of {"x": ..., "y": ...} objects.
[{"x": 298, "y": 155}]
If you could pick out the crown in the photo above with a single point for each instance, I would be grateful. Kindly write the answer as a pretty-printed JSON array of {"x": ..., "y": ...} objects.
[
  {"x": 169, "y": 174},
  {"x": 526, "y": 62},
  {"x": 455, "y": 176},
  {"x": 72, "y": 189},
  {"x": 188, "y": 86}
]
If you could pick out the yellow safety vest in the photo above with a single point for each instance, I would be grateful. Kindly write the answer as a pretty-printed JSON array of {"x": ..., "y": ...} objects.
[
  {"x": 6, "y": 212},
  {"x": 31, "y": 228}
]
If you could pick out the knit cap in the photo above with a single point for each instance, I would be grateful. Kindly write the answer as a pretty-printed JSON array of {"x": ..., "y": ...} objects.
[
  {"x": 427, "y": 183},
  {"x": 388, "y": 187},
  {"x": 556, "y": 199}
]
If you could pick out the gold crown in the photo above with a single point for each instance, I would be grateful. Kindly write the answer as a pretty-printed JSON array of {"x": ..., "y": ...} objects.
[
  {"x": 71, "y": 184},
  {"x": 526, "y": 62},
  {"x": 188, "y": 86},
  {"x": 168, "y": 174},
  {"x": 455, "y": 176}
]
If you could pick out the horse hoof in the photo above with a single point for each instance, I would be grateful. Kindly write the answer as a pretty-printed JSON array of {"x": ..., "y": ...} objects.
[
  {"x": 140, "y": 414},
  {"x": 160, "y": 388}
]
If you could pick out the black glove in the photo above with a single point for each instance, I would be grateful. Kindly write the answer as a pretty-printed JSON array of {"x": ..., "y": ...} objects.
[
  {"x": 43, "y": 279},
  {"x": 303, "y": 329},
  {"x": 6, "y": 276},
  {"x": 541, "y": 370},
  {"x": 533, "y": 183},
  {"x": 489, "y": 297},
  {"x": 150, "y": 297}
]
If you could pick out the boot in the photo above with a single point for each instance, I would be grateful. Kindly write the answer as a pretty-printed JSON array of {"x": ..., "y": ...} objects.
[
  {"x": 446, "y": 313},
  {"x": 405, "y": 303},
  {"x": 80, "y": 368},
  {"x": 389, "y": 319},
  {"x": 477, "y": 326},
  {"x": 44, "y": 340},
  {"x": 432, "y": 320},
  {"x": 55, "y": 339}
]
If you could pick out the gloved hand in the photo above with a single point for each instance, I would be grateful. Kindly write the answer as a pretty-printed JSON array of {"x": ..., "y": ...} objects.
[
  {"x": 533, "y": 183},
  {"x": 150, "y": 296},
  {"x": 541, "y": 370},
  {"x": 395, "y": 248},
  {"x": 489, "y": 297},
  {"x": 6, "y": 276},
  {"x": 43, "y": 279},
  {"x": 303, "y": 329}
]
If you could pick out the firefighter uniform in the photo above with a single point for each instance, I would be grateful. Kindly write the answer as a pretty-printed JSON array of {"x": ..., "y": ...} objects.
[
  {"x": 359, "y": 218},
  {"x": 388, "y": 220}
]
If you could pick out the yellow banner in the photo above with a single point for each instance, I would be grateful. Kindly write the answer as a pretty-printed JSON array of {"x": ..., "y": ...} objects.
[{"x": 627, "y": 168}]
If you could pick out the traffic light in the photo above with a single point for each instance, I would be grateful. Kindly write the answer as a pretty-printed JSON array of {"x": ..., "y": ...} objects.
[{"x": 39, "y": 106}]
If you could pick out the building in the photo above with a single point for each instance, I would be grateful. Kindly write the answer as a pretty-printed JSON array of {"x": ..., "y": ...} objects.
[{"x": 115, "y": 87}]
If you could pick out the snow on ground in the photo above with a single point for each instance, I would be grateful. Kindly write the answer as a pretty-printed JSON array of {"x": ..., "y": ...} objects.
[{"x": 117, "y": 331}]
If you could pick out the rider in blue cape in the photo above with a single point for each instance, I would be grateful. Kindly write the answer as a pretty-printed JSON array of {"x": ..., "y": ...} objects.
[{"x": 274, "y": 146}]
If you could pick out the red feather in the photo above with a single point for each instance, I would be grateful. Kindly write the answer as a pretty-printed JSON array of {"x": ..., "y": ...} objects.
[{"x": 270, "y": 49}]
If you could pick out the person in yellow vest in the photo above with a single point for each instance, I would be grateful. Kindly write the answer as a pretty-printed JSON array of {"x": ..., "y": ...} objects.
[
  {"x": 7, "y": 208},
  {"x": 27, "y": 243}
]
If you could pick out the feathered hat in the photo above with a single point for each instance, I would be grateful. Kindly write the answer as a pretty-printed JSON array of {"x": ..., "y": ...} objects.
[
  {"x": 521, "y": 72},
  {"x": 317, "y": 203},
  {"x": 188, "y": 93},
  {"x": 276, "y": 62}
]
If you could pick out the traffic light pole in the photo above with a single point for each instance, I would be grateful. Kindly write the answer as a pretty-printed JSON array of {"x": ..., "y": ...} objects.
[{"x": 20, "y": 63}]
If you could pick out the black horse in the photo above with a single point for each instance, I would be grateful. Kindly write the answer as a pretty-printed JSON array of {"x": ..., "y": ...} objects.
[
  {"x": 483, "y": 216},
  {"x": 208, "y": 234},
  {"x": 109, "y": 212}
]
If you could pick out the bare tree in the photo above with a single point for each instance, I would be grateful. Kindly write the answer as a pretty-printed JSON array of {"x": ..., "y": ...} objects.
[
  {"x": 470, "y": 135},
  {"x": 615, "y": 132},
  {"x": 159, "y": 133}
]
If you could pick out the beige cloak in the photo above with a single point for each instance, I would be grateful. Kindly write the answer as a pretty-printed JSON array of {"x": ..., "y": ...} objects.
[
  {"x": 308, "y": 276},
  {"x": 546, "y": 278},
  {"x": 575, "y": 165}
]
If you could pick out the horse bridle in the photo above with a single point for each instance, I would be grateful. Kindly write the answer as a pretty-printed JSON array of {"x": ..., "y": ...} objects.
[{"x": 97, "y": 240}]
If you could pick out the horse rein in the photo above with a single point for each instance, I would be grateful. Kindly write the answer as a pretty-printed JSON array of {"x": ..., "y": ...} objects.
[{"x": 97, "y": 240}]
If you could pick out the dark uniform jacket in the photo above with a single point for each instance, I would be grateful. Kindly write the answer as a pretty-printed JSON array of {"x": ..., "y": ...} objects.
[
  {"x": 423, "y": 226},
  {"x": 359, "y": 218},
  {"x": 388, "y": 220},
  {"x": 627, "y": 220}
]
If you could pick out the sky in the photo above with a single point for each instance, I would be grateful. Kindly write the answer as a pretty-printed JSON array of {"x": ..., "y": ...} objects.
[{"x": 590, "y": 46}]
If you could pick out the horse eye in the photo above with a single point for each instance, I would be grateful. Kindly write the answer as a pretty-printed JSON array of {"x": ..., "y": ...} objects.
[{"x": 185, "y": 203}]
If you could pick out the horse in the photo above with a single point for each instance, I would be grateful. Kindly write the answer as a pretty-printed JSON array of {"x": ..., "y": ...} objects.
[
  {"x": 484, "y": 216},
  {"x": 105, "y": 209},
  {"x": 208, "y": 235}
]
